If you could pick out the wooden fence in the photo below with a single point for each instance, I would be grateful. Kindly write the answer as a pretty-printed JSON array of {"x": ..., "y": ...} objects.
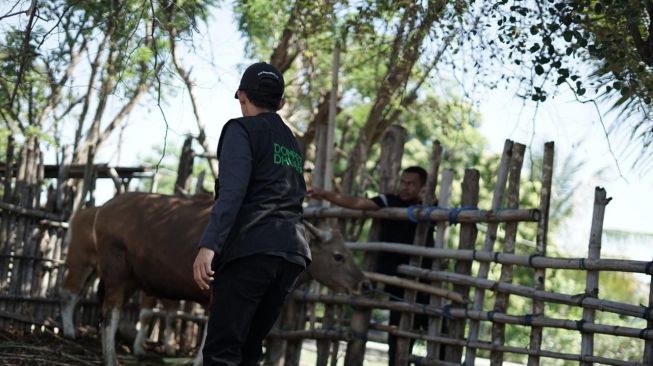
[
  {"x": 462, "y": 322},
  {"x": 469, "y": 308}
]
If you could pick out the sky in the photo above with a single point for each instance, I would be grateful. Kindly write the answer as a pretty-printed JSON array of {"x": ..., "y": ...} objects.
[{"x": 220, "y": 58}]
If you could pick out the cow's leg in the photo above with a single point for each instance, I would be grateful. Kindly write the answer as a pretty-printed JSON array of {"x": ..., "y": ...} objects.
[
  {"x": 169, "y": 331},
  {"x": 74, "y": 283},
  {"x": 109, "y": 328},
  {"x": 118, "y": 285},
  {"x": 144, "y": 322},
  {"x": 199, "y": 358}
]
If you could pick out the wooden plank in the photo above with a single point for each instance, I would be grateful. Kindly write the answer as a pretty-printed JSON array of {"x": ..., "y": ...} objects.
[
  {"x": 508, "y": 349},
  {"x": 392, "y": 150},
  {"x": 488, "y": 245},
  {"x": 467, "y": 240},
  {"x": 498, "y": 318},
  {"x": 406, "y": 321},
  {"x": 592, "y": 281},
  {"x": 501, "y": 301},
  {"x": 616, "y": 265},
  {"x": 648, "y": 345},
  {"x": 529, "y": 292},
  {"x": 435, "y": 216},
  {"x": 539, "y": 277},
  {"x": 435, "y": 322},
  {"x": 15, "y": 209},
  {"x": 76, "y": 171}
]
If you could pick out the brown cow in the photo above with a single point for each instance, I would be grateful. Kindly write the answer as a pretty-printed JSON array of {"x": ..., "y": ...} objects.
[
  {"x": 81, "y": 267},
  {"x": 148, "y": 241}
]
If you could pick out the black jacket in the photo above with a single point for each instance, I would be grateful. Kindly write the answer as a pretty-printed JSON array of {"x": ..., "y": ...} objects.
[{"x": 261, "y": 190}]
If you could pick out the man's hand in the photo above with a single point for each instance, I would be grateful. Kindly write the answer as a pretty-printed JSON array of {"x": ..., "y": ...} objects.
[
  {"x": 316, "y": 193},
  {"x": 202, "y": 271}
]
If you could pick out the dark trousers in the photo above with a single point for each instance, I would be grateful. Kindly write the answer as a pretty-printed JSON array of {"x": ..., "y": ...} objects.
[
  {"x": 247, "y": 297},
  {"x": 420, "y": 320}
]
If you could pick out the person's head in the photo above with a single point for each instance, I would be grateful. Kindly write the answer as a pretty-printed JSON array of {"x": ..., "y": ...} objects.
[
  {"x": 261, "y": 89},
  {"x": 412, "y": 183}
]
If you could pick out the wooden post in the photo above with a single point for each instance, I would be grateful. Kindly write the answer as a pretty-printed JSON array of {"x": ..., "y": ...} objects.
[
  {"x": 61, "y": 179},
  {"x": 185, "y": 169},
  {"x": 326, "y": 175},
  {"x": 488, "y": 246},
  {"x": 199, "y": 185},
  {"x": 296, "y": 319},
  {"x": 406, "y": 320},
  {"x": 648, "y": 345},
  {"x": 392, "y": 150},
  {"x": 435, "y": 322},
  {"x": 467, "y": 240},
  {"x": 540, "y": 248},
  {"x": 8, "y": 222},
  {"x": 592, "y": 281},
  {"x": 88, "y": 178},
  {"x": 501, "y": 303},
  {"x": 5, "y": 230},
  {"x": 331, "y": 123},
  {"x": 392, "y": 147}
]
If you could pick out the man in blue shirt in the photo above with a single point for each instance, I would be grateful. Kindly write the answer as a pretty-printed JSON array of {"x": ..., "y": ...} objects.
[{"x": 254, "y": 246}]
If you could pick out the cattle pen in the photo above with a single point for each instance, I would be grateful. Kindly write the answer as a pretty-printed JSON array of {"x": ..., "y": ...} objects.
[{"x": 483, "y": 286}]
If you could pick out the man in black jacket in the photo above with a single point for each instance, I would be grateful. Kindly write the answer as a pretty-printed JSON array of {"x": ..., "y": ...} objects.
[
  {"x": 254, "y": 246},
  {"x": 409, "y": 193}
]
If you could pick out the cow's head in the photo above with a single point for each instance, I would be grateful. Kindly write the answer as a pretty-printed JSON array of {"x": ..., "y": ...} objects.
[{"x": 333, "y": 263}]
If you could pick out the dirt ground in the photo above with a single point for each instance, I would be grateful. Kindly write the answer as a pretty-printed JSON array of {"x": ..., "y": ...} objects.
[{"x": 46, "y": 348}]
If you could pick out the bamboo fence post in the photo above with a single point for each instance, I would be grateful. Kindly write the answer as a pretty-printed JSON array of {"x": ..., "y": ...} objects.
[
  {"x": 501, "y": 302},
  {"x": 7, "y": 222},
  {"x": 5, "y": 230},
  {"x": 199, "y": 185},
  {"x": 529, "y": 292},
  {"x": 327, "y": 179},
  {"x": 540, "y": 247},
  {"x": 392, "y": 150},
  {"x": 328, "y": 324},
  {"x": 61, "y": 178},
  {"x": 488, "y": 245},
  {"x": 34, "y": 238},
  {"x": 404, "y": 345},
  {"x": 435, "y": 322},
  {"x": 88, "y": 176},
  {"x": 592, "y": 281},
  {"x": 296, "y": 319},
  {"x": 340, "y": 310},
  {"x": 24, "y": 242},
  {"x": 648, "y": 345},
  {"x": 467, "y": 240}
]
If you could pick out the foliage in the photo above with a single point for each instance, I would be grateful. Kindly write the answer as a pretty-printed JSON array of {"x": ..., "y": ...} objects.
[
  {"x": 72, "y": 60},
  {"x": 600, "y": 49}
]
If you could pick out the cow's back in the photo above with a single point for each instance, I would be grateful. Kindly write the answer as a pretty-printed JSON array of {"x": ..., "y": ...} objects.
[{"x": 157, "y": 235}]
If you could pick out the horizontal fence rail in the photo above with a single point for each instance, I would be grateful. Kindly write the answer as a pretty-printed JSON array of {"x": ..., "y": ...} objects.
[
  {"x": 536, "y": 261},
  {"x": 427, "y": 214}
]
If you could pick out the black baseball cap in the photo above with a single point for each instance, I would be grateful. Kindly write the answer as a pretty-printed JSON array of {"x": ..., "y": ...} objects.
[{"x": 263, "y": 79}]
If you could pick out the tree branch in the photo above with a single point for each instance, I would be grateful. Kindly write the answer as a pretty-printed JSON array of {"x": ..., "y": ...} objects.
[
  {"x": 28, "y": 33},
  {"x": 26, "y": 12},
  {"x": 88, "y": 95},
  {"x": 190, "y": 86}
]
